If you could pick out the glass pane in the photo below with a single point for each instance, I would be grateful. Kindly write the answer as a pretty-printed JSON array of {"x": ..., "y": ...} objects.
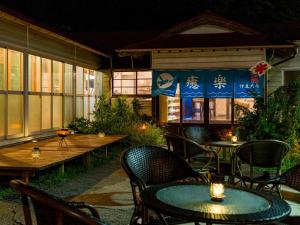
[
  {"x": 92, "y": 83},
  {"x": 79, "y": 80},
  {"x": 193, "y": 109},
  {"x": 144, "y": 90},
  {"x": 46, "y": 75},
  {"x": 2, "y": 69},
  {"x": 34, "y": 115},
  {"x": 117, "y": 75},
  {"x": 174, "y": 107},
  {"x": 128, "y": 83},
  {"x": 86, "y": 82},
  {"x": 144, "y": 83},
  {"x": 79, "y": 107},
  {"x": 2, "y": 114},
  {"x": 15, "y": 114},
  {"x": 117, "y": 83},
  {"x": 244, "y": 102},
  {"x": 86, "y": 107},
  {"x": 57, "y": 112},
  {"x": 98, "y": 87},
  {"x": 128, "y": 91},
  {"x": 46, "y": 112},
  {"x": 34, "y": 73},
  {"x": 15, "y": 70},
  {"x": 68, "y": 112},
  {"x": 144, "y": 75},
  {"x": 117, "y": 91},
  {"x": 128, "y": 75},
  {"x": 92, "y": 104},
  {"x": 68, "y": 79},
  {"x": 220, "y": 110},
  {"x": 57, "y": 76}
]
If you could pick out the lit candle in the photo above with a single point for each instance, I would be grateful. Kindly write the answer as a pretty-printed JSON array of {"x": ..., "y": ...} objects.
[
  {"x": 35, "y": 153},
  {"x": 234, "y": 139},
  {"x": 217, "y": 188}
]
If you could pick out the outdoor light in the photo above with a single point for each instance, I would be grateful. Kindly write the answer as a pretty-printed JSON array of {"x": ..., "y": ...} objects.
[
  {"x": 35, "y": 151},
  {"x": 234, "y": 139},
  {"x": 144, "y": 127},
  {"x": 62, "y": 133},
  {"x": 101, "y": 134},
  {"x": 217, "y": 188}
]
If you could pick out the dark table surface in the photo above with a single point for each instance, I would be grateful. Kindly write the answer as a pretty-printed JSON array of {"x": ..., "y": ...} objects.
[{"x": 192, "y": 201}]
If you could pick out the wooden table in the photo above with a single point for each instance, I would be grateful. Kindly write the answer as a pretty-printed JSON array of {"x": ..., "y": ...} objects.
[{"x": 18, "y": 161}]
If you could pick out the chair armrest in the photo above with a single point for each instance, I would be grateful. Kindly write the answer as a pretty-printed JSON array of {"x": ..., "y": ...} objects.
[{"x": 83, "y": 205}]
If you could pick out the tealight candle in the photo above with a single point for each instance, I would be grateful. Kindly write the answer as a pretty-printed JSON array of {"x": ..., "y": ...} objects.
[
  {"x": 217, "y": 188},
  {"x": 234, "y": 139}
]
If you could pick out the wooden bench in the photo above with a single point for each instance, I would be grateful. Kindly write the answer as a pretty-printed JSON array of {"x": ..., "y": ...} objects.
[{"x": 18, "y": 161}]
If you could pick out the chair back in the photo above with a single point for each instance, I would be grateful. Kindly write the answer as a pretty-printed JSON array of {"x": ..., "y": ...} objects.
[
  {"x": 263, "y": 153},
  {"x": 291, "y": 178},
  {"x": 49, "y": 210},
  {"x": 150, "y": 165},
  {"x": 199, "y": 134}
]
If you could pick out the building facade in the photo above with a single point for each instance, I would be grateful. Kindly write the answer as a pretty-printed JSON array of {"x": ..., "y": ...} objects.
[{"x": 46, "y": 79}]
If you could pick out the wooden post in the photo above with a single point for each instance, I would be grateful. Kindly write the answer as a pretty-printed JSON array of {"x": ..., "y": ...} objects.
[
  {"x": 61, "y": 169},
  {"x": 87, "y": 160}
]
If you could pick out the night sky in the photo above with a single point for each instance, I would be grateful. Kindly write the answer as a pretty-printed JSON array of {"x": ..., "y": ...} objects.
[{"x": 117, "y": 15}]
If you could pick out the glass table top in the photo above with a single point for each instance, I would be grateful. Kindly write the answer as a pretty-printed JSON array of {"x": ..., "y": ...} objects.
[{"x": 196, "y": 198}]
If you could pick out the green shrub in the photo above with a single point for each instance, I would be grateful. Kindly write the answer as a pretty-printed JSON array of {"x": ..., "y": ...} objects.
[
  {"x": 120, "y": 118},
  {"x": 152, "y": 135}
]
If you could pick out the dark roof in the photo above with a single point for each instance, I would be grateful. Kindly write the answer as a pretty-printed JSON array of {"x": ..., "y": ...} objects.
[
  {"x": 109, "y": 41},
  {"x": 203, "y": 41},
  {"x": 238, "y": 35}
]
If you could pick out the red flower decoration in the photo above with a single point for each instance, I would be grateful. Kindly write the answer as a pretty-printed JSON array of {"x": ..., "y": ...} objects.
[{"x": 260, "y": 68}]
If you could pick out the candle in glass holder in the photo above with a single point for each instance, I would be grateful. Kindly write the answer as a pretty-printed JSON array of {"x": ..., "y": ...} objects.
[
  {"x": 234, "y": 139},
  {"x": 217, "y": 188},
  {"x": 36, "y": 152}
]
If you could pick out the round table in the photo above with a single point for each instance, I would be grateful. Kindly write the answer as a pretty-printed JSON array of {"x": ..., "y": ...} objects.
[{"x": 191, "y": 201}]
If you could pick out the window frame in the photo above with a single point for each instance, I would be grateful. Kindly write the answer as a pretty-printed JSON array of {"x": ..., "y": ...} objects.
[{"x": 136, "y": 87}]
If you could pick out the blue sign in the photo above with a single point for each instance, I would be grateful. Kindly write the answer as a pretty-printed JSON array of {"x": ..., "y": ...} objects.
[
  {"x": 164, "y": 82},
  {"x": 192, "y": 84},
  {"x": 248, "y": 85},
  {"x": 219, "y": 83}
]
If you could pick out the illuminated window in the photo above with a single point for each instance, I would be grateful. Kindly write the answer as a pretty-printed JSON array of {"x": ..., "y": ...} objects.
[
  {"x": 46, "y": 112},
  {"x": 219, "y": 110},
  {"x": 98, "y": 83},
  {"x": 34, "y": 73},
  {"x": 79, "y": 80},
  {"x": 193, "y": 109},
  {"x": 132, "y": 83},
  {"x": 2, "y": 115},
  {"x": 2, "y": 69},
  {"x": 34, "y": 120},
  {"x": 68, "y": 79},
  {"x": 57, "y": 112},
  {"x": 68, "y": 110},
  {"x": 57, "y": 76},
  {"x": 92, "y": 83},
  {"x": 15, "y": 114},
  {"x": 243, "y": 102},
  {"x": 46, "y": 75},
  {"x": 15, "y": 70}
]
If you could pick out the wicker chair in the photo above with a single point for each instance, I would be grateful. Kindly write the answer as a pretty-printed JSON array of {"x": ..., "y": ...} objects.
[
  {"x": 290, "y": 178},
  {"x": 49, "y": 210},
  {"x": 199, "y": 134},
  {"x": 150, "y": 165},
  {"x": 192, "y": 151},
  {"x": 266, "y": 154}
]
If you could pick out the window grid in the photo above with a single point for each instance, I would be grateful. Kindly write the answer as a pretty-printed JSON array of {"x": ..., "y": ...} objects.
[{"x": 139, "y": 86}]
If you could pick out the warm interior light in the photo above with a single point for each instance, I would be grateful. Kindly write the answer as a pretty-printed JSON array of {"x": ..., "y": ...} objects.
[
  {"x": 217, "y": 188},
  {"x": 234, "y": 139}
]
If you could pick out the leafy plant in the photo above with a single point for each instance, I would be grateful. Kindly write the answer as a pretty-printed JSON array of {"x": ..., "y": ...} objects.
[
  {"x": 279, "y": 118},
  {"x": 151, "y": 135},
  {"x": 82, "y": 125}
]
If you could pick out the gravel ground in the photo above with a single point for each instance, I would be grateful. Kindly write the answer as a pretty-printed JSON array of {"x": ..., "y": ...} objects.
[{"x": 101, "y": 181}]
